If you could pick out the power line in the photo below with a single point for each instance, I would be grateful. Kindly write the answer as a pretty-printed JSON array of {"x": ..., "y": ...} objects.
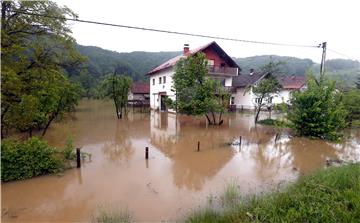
[
  {"x": 167, "y": 31},
  {"x": 344, "y": 55}
]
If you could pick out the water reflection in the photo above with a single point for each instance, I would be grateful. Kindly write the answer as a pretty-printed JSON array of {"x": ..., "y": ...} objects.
[
  {"x": 180, "y": 176},
  {"x": 175, "y": 136}
]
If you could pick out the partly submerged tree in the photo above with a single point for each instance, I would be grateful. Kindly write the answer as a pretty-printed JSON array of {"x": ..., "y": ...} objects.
[
  {"x": 266, "y": 88},
  {"x": 264, "y": 92},
  {"x": 117, "y": 87},
  {"x": 197, "y": 94},
  {"x": 318, "y": 111},
  {"x": 35, "y": 52}
]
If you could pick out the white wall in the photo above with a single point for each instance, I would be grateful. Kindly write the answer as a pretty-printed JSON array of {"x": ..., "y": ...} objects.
[
  {"x": 156, "y": 88},
  {"x": 243, "y": 101},
  {"x": 282, "y": 96},
  {"x": 247, "y": 100}
]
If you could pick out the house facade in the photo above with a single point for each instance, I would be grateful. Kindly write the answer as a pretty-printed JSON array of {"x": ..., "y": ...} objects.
[
  {"x": 242, "y": 96},
  {"x": 220, "y": 66}
]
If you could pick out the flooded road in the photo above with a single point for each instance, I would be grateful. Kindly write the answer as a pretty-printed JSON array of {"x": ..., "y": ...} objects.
[{"x": 176, "y": 178}]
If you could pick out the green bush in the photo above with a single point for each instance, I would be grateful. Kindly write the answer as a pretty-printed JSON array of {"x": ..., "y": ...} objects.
[
  {"x": 22, "y": 160},
  {"x": 69, "y": 151},
  {"x": 351, "y": 101},
  {"x": 318, "y": 111}
]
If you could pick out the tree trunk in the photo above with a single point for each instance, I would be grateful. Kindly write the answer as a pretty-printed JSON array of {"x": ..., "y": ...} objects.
[
  {"x": 48, "y": 124},
  {"x": 213, "y": 115},
  {"x": 208, "y": 119},
  {"x": 220, "y": 120},
  {"x": 30, "y": 132}
]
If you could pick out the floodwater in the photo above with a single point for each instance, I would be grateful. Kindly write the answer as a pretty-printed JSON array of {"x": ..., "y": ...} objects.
[{"x": 176, "y": 178}]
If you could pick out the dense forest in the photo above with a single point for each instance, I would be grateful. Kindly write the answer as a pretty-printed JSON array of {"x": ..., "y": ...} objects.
[{"x": 135, "y": 64}]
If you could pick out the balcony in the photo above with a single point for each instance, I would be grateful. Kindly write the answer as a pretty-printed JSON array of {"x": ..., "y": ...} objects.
[{"x": 222, "y": 71}]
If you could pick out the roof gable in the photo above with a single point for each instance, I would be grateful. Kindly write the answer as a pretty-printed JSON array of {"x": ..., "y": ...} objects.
[{"x": 214, "y": 45}]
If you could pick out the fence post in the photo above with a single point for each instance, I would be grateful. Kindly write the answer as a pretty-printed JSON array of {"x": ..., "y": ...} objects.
[
  {"x": 146, "y": 152},
  {"x": 78, "y": 158}
]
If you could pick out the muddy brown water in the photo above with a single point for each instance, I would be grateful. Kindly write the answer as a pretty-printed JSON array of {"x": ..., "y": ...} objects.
[{"x": 176, "y": 178}]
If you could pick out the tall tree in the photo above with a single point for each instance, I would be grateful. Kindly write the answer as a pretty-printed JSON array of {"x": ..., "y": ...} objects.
[
  {"x": 195, "y": 93},
  {"x": 117, "y": 87},
  {"x": 35, "y": 52}
]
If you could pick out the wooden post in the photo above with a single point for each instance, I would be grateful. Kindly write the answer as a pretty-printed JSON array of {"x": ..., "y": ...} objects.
[
  {"x": 78, "y": 156},
  {"x": 146, "y": 152},
  {"x": 198, "y": 146}
]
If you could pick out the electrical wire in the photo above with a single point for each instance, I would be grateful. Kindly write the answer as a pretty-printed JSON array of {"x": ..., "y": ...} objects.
[{"x": 166, "y": 31}]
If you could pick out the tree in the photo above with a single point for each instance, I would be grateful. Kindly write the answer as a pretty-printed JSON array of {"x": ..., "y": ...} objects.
[
  {"x": 195, "y": 93},
  {"x": 358, "y": 83},
  {"x": 264, "y": 92},
  {"x": 318, "y": 111},
  {"x": 117, "y": 88},
  {"x": 351, "y": 100},
  {"x": 35, "y": 52},
  {"x": 266, "y": 88}
]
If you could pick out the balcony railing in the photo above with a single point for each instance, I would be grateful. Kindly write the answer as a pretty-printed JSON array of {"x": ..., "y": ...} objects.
[{"x": 223, "y": 71}]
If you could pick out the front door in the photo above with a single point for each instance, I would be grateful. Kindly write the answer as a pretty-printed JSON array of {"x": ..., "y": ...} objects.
[{"x": 162, "y": 103}]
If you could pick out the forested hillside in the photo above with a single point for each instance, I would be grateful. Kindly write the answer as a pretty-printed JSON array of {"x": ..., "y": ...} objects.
[{"x": 135, "y": 64}]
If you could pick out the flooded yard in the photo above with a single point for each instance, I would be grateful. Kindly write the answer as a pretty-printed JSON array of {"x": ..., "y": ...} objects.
[{"x": 176, "y": 178}]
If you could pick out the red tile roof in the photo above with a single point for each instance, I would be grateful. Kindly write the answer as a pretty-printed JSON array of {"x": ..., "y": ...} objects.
[
  {"x": 292, "y": 82},
  {"x": 173, "y": 61},
  {"x": 140, "y": 88}
]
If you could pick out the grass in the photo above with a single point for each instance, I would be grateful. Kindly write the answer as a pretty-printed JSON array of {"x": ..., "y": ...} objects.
[
  {"x": 329, "y": 195},
  {"x": 111, "y": 215},
  {"x": 274, "y": 122}
]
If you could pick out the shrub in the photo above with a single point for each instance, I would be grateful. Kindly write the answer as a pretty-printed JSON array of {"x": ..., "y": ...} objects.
[
  {"x": 351, "y": 101},
  {"x": 22, "y": 160},
  {"x": 69, "y": 151},
  {"x": 318, "y": 111}
]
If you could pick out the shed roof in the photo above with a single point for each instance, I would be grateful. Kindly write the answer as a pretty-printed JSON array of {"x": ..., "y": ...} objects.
[
  {"x": 140, "y": 88},
  {"x": 292, "y": 82}
]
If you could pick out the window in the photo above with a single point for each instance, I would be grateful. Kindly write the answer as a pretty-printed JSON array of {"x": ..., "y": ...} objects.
[
  {"x": 211, "y": 62},
  {"x": 164, "y": 79},
  {"x": 159, "y": 80},
  {"x": 153, "y": 81}
]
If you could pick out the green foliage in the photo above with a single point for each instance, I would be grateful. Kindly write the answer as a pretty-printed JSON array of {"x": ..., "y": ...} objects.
[
  {"x": 330, "y": 195},
  {"x": 274, "y": 122},
  {"x": 351, "y": 100},
  {"x": 117, "y": 88},
  {"x": 36, "y": 52},
  {"x": 31, "y": 158},
  {"x": 69, "y": 150},
  {"x": 196, "y": 94},
  {"x": 318, "y": 111}
]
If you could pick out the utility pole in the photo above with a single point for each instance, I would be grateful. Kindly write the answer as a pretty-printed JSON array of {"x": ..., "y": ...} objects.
[{"x": 322, "y": 65}]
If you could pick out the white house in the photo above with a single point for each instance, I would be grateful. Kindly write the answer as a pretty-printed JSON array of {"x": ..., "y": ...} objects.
[
  {"x": 243, "y": 98},
  {"x": 220, "y": 65}
]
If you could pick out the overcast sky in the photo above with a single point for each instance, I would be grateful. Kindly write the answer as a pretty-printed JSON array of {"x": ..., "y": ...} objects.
[{"x": 306, "y": 22}]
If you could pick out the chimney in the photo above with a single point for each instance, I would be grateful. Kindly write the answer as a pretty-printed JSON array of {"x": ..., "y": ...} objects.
[
  {"x": 252, "y": 71},
  {"x": 186, "y": 49}
]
